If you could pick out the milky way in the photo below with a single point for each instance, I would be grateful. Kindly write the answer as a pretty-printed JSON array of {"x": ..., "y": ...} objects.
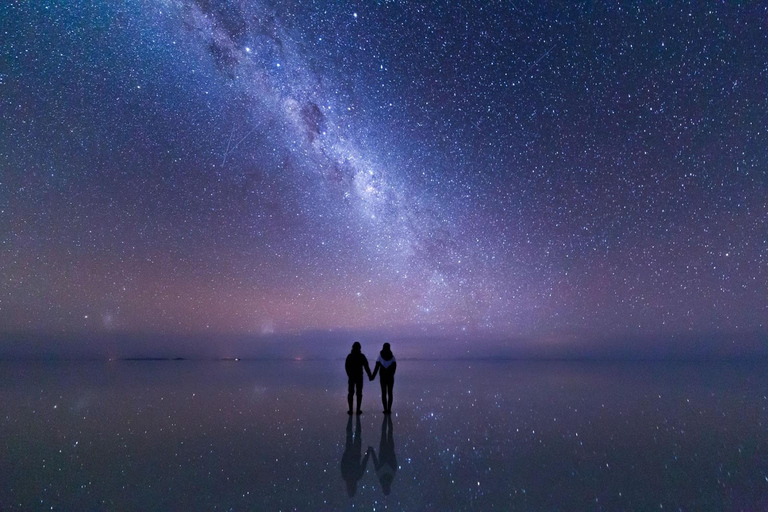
[{"x": 498, "y": 169}]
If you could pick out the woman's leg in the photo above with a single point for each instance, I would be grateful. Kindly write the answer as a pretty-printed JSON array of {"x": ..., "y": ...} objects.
[
  {"x": 390, "y": 386},
  {"x": 383, "y": 394}
]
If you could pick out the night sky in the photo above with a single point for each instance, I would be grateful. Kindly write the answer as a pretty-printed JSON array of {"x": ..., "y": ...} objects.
[{"x": 480, "y": 170}]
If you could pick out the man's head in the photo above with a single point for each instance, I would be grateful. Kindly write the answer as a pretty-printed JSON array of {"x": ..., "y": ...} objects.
[{"x": 356, "y": 346}]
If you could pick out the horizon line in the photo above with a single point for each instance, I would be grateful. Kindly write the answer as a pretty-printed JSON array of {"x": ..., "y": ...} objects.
[{"x": 704, "y": 358}]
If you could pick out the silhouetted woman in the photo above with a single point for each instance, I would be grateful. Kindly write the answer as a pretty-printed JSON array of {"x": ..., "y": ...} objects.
[
  {"x": 386, "y": 462},
  {"x": 386, "y": 363}
]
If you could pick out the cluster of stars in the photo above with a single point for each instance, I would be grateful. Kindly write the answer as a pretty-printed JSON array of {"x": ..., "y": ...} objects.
[{"x": 499, "y": 170}]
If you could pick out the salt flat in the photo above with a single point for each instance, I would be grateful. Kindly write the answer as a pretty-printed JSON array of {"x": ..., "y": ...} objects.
[{"x": 477, "y": 435}]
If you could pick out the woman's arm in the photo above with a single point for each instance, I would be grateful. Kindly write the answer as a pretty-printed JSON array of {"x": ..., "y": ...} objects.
[
  {"x": 375, "y": 459},
  {"x": 394, "y": 367},
  {"x": 375, "y": 371}
]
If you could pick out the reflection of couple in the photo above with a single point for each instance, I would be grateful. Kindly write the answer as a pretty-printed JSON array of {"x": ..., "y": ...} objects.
[
  {"x": 386, "y": 463},
  {"x": 385, "y": 366},
  {"x": 353, "y": 468}
]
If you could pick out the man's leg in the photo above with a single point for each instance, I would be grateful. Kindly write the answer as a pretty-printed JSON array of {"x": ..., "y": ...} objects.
[
  {"x": 359, "y": 395},
  {"x": 350, "y": 392}
]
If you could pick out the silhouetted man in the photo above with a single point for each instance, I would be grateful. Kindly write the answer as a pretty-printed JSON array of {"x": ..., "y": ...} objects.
[
  {"x": 352, "y": 468},
  {"x": 355, "y": 364}
]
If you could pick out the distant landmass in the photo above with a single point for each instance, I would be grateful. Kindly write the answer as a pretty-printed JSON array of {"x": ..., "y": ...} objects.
[{"x": 151, "y": 359}]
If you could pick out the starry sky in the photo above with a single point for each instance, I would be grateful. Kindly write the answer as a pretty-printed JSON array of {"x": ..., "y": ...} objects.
[{"x": 505, "y": 170}]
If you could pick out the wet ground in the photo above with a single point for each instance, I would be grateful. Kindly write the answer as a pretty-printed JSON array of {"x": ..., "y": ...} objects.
[{"x": 187, "y": 435}]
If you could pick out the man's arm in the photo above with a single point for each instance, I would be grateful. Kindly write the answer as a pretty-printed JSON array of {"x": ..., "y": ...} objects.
[
  {"x": 367, "y": 368},
  {"x": 364, "y": 463}
]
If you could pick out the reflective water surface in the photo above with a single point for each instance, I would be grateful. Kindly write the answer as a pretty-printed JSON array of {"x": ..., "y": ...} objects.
[{"x": 185, "y": 435}]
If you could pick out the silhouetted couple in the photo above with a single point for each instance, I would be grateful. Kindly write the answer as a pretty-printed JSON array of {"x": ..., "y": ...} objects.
[
  {"x": 385, "y": 367},
  {"x": 353, "y": 464}
]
